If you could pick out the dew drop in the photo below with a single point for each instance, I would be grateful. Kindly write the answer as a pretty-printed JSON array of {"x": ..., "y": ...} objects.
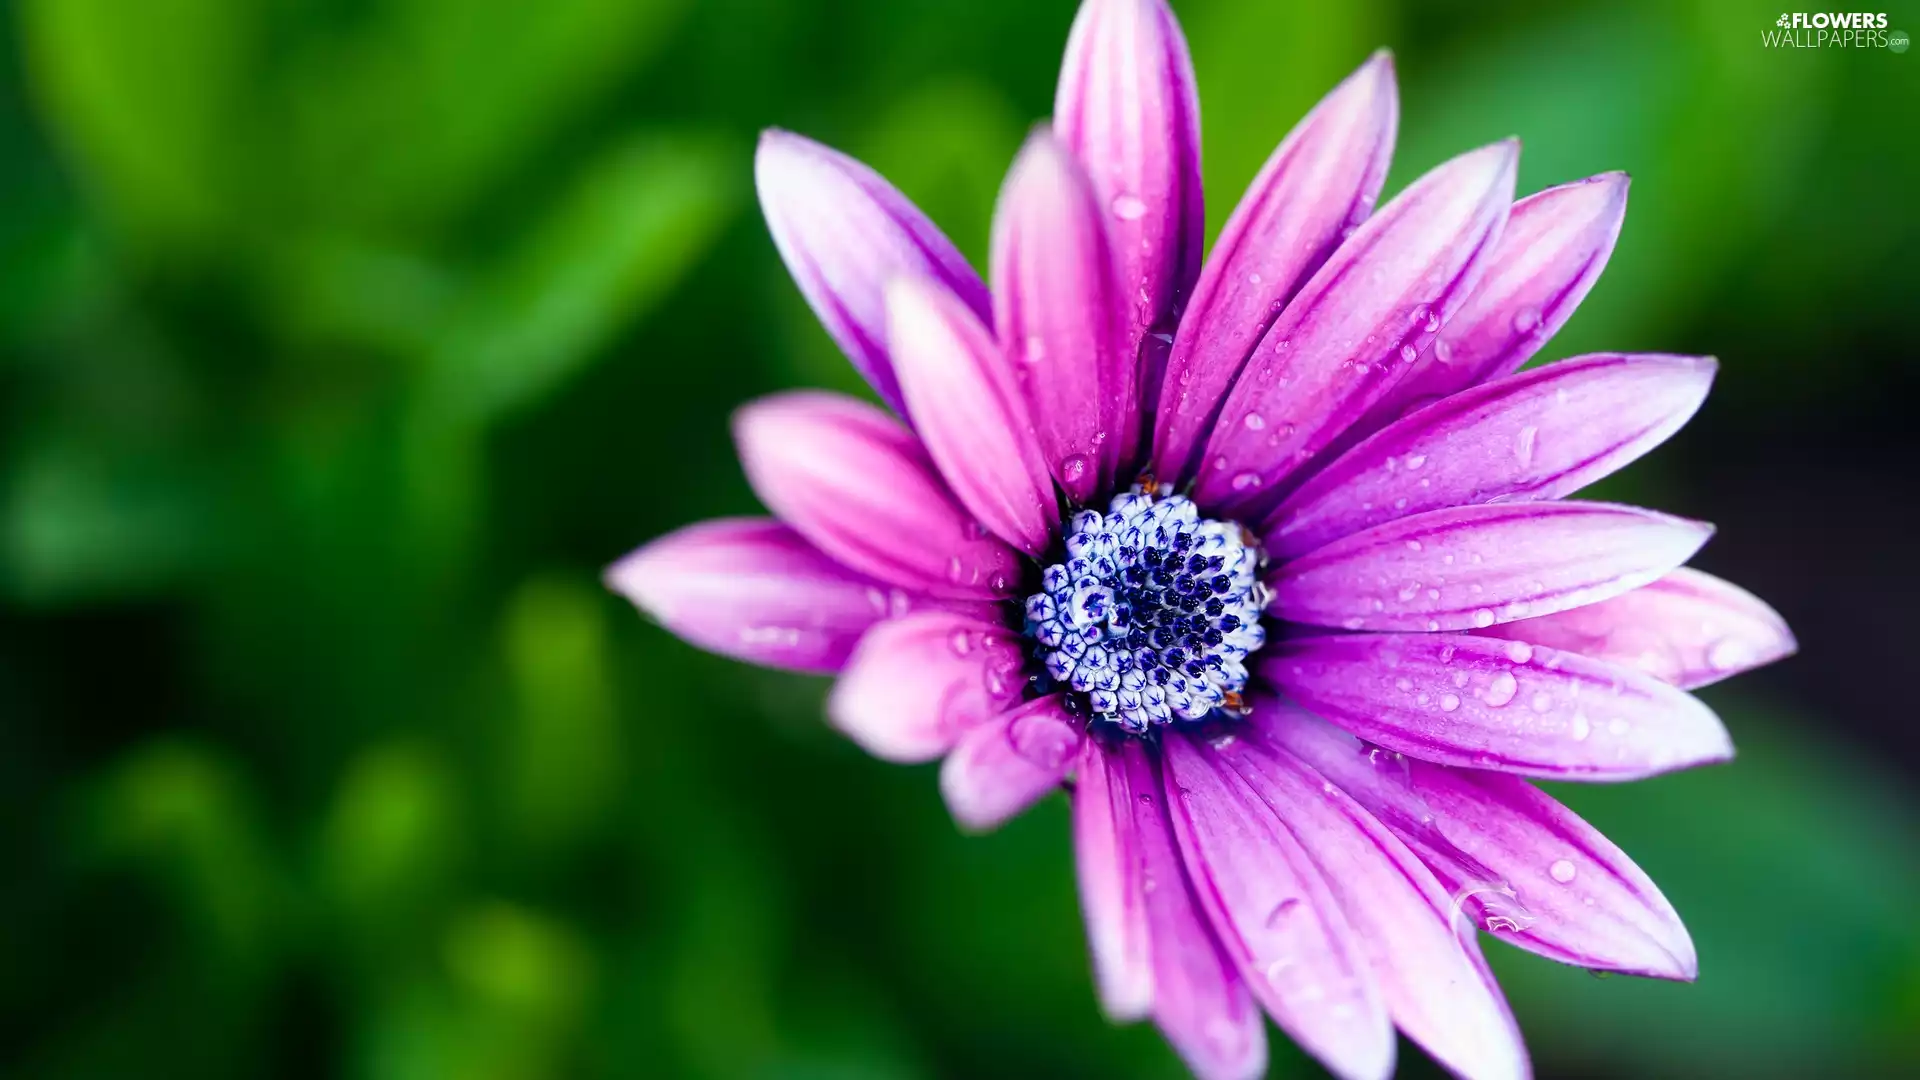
[
  {"x": 1449, "y": 702},
  {"x": 961, "y": 642},
  {"x": 1073, "y": 468},
  {"x": 1414, "y": 461},
  {"x": 1246, "y": 481},
  {"x": 1408, "y": 354},
  {"x": 1130, "y": 208},
  {"x": 1581, "y": 727},
  {"x": 1483, "y": 618},
  {"x": 1523, "y": 445},
  {"x": 1255, "y": 421},
  {"x": 1501, "y": 689},
  {"x": 1562, "y": 871},
  {"x": 1542, "y": 701},
  {"x": 1526, "y": 320},
  {"x": 1519, "y": 652}
]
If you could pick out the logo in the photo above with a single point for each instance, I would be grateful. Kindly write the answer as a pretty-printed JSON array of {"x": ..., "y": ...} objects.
[{"x": 1834, "y": 30}]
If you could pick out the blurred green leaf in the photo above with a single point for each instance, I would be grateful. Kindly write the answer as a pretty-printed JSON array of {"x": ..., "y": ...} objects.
[
  {"x": 147, "y": 97},
  {"x": 393, "y": 837},
  {"x": 630, "y": 227}
]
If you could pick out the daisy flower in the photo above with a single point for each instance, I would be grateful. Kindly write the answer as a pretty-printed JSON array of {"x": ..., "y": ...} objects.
[{"x": 1269, "y": 560}]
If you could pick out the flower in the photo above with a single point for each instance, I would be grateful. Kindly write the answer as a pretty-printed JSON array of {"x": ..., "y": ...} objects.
[{"x": 1270, "y": 559}]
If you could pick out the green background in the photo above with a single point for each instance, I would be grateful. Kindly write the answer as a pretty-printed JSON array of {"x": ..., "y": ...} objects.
[{"x": 343, "y": 343}]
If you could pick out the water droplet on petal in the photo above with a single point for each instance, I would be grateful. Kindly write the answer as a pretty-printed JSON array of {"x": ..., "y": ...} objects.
[
  {"x": 1483, "y": 618},
  {"x": 1255, "y": 421},
  {"x": 1130, "y": 208},
  {"x": 961, "y": 642},
  {"x": 1246, "y": 481},
  {"x": 1073, "y": 468},
  {"x": 1562, "y": 871},
  {"x": 1519, "y": 652},
  {"x": 1449, "y": 702},
  {"x": 1526, "y": 320},
  {"x": 1501, "y": 689}
]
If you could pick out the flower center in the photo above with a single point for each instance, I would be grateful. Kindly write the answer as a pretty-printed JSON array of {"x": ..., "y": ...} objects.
[{"x": 1151, "y": 617}]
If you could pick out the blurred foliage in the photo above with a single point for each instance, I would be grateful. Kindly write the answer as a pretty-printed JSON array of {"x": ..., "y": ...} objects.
[{"x": 345, "y": 340}]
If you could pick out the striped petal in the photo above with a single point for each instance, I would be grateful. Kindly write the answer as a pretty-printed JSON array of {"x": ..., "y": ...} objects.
[
  {"x": 1436, "y": 985},
  {"x": 1109, "y": 859},
  {"x": 844, "y": 232},
  {"x": 1316, "y": 188},
  {"x": 1276, "y": 915},
  {"x": 1458, "y": 699},
  {"x": 1537, "y": 435},
  {"x": 1054, "y": 313},
  {"x": 914, "y": 685},
  {"x": 1555, "y": 245},
  {"x": 1474, "y": 566},
  {"x": 1126, "y": 106},
  {"x": 755, "y": 590},
  {"x": 1355, "y": 328},
  {"x": 1003, "y": 766},
  {"x": 1688, "y": 628},
  {"x": 859, "y": 485},
  {"x": 964, "y": 401},
  {"x": 1526, "y": 868}
]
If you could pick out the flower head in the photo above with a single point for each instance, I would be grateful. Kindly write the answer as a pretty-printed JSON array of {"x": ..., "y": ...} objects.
[{"x": 1270, "y": 557}]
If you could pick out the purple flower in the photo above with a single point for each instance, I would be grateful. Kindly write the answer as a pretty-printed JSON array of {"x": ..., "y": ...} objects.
[{"x": 1268, "y": 557}]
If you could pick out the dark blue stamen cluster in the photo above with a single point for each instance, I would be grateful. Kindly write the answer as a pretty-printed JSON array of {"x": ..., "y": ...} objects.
[{"x": 1152, "y": 615}]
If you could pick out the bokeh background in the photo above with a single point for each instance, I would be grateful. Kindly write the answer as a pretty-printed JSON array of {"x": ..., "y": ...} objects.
[{"x": 343, "y": 342}]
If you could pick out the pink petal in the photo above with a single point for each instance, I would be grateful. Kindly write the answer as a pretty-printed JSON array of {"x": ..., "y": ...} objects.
[
  {"x": 1276, "y": 916},
  {"x": 859, "y": 485},
  {"x": 1477, "y": 565},
  {"x": 1153, "y": 951},
  {"x": 1109, "y": 859},
  {"x": 1055, "y": 315},
  {"x": 1003, "y": 766},
  {"x": 753, "y": 589},
  {"x": 969, "y": 412},
  {"x": 1435, "y": 983},
  {"x": 914, "y": 685},
  {"x": 1126, "y": 106},
  {"x": 844, "y": 233},
  {"x": 1554, "y": 247},
  {"x": 1688, "y": 628},
  {"x": 1316, "y": 188},
  {"x": 1355, "y": 328},
  {"x": 1537, "y": 435},
  {"x": 1477, "y": 702},
  {"x": 1527, "y": 868}
]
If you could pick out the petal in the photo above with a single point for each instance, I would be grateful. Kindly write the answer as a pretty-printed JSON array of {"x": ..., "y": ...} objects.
[
  {"x": 1126, "y": 106},
  {"x": 1688, "y": 628},
  {"x": 844, "y": 233},
  {"x": 1054, "y": 313},
  {"x": 1527, "y": 868},
  {"x": 1275, "y": 914},
  {"x": 1199, "y": 1001},
  {"x": 914, "y": 685},
  {"x": 1108, "y": 860},
  {"x": 1435, "y": 982},
  {"x": 1478, "y": 565},
  {"x": 1529, "y": 437},
  {"x": 753, "y": 589},
  {"x": 1555, "y": 245},
  {"x": 1153, "y": 952},
  {"x": 1355, "y": 328},
  {"x": 963, "y": 399},
  {"x": 856, "y": 483},
  {"x": 1003, "y": 766},
  {"x": 1318, "y": 185},
  {"x": 1457, "y": 699}
]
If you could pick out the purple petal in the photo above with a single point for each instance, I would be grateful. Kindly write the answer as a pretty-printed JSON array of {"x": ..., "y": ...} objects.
[
  {"x": 963, "y": 399},
  {"x": 1555, "y": 245},
  {"x": 859, "y": 485},
  {"x": 1478, "y": 702},
  {"x": 753, "y": 589},
  {"x": 1316, "y": 188},
  {"x": 1436, "y": 985},
  {"x": 914, "y": 685},
  {"x": 1473, "y": 566},
  {"x": 844, "y": 233},
  {"x": 1199, "y": 1001},
  {"x": 1527, "y": 868},
  {"x": 1537, "y": 435},
  {"x": 1054, "y": 313},
  {"x": 1355, "y": 329},
  {"x": 1276, "y": 916},
  {"x": 1126, "y": 106},
  {"x": 1003, "y": 766},
  {"x": 1109, "y": 860},
  {"x": 1688, "y": 628}
]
